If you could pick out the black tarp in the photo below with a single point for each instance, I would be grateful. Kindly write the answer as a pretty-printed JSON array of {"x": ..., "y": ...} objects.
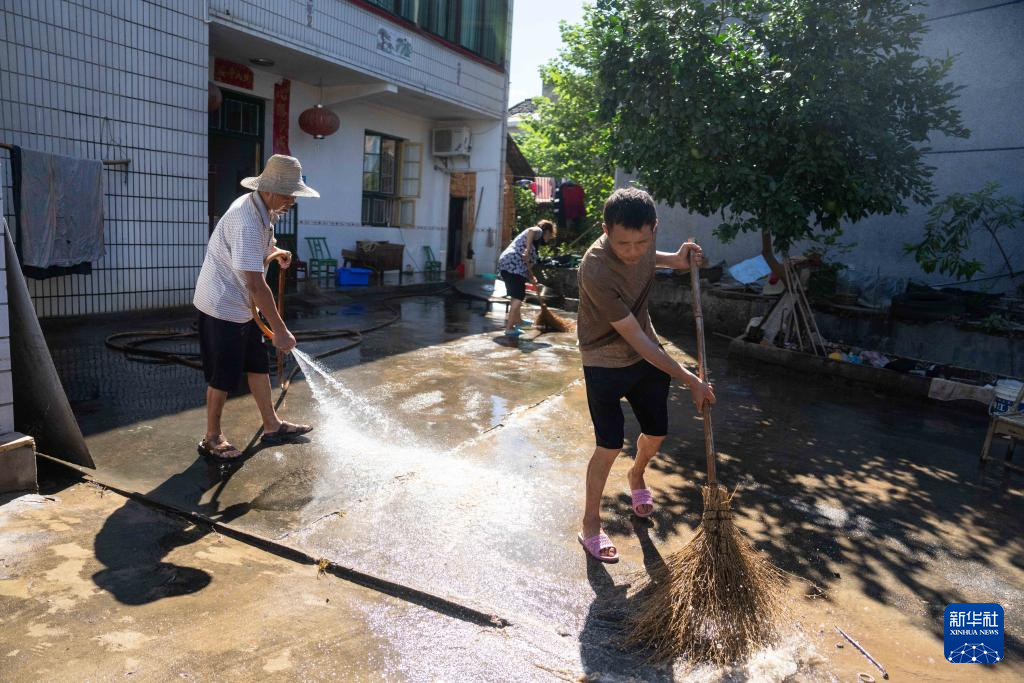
[{"x": 41, "y": 407}]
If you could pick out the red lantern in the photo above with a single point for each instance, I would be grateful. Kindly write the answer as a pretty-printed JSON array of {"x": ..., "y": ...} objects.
[
  {"x": 319, "y": 122},
  {"x": 215, "y": 97}
]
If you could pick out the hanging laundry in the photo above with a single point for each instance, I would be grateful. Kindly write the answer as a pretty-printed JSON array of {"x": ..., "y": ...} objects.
[
  {"x": 58, "y": 206},
  {"x": 569, "y": 206},
  {"x": 545, "y": 189},
  {"x": 572, "y": 201}
]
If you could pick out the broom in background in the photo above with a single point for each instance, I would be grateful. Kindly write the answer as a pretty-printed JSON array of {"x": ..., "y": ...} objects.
[
  {"x": 548, "y": 321},
  {"x": 717, "y": 600}
]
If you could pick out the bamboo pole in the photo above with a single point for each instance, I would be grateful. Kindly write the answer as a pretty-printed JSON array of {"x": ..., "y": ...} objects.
[
  {"x": 698, "y": 315},
  {"x": 105, "y": 162}
]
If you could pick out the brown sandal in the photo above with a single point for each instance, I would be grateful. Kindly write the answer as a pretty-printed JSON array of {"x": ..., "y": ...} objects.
[
  {"x": 224, "y": 452},
  {"x": 285, "y": 433}
]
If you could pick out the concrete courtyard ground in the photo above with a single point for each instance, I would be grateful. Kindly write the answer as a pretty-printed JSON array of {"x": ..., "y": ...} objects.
[{"x": 446, "y": 463}]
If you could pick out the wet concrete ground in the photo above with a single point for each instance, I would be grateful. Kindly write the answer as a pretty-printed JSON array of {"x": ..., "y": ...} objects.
[
  {"x": 453, "y": 464},
  {"x": 97, "y": 588}
]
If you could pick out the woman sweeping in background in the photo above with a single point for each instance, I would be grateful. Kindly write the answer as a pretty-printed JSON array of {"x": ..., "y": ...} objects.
[{"x": 516, "y": 267}]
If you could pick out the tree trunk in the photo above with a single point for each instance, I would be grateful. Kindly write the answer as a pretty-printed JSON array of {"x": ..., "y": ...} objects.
[
  {"x": 769, "y": 255},
  {"x": 995, "y": 239}
]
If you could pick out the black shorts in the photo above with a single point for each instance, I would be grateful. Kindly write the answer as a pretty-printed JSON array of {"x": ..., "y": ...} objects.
[
  {"x": 229, "y": 350},
  {"x": 642, "y": 384},
  {"x": 515, "y": 285}
]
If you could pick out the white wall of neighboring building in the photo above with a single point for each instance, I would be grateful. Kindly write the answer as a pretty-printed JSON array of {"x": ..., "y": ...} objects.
[
  {"x": 985, "y": 37},
  {"x": 334, "y": 167}
]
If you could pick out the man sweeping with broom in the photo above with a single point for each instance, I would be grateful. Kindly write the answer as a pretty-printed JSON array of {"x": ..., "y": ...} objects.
[
  {"x": 716, "y": 600},
  {"x": 622, "y": 357}
]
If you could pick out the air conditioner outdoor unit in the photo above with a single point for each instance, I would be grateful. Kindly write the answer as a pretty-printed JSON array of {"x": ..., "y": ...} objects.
[{"x": 451, "y": 142}]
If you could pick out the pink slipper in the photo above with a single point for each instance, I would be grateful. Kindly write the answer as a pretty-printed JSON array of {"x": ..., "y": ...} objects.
[
  {"x": 595, "y": 544},
  {"x": 642, "y": 497}
]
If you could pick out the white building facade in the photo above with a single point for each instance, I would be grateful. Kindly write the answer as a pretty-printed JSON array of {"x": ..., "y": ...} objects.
[{"x": 133, "y": 81}]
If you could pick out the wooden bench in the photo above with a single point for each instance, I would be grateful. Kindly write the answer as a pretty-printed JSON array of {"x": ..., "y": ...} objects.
[{"x": 377, "y": 256}]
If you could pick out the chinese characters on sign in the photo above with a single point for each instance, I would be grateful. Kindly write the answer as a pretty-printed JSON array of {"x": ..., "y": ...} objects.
[
  {"x": 960, "y": 619},
  {"x": 394, "y": 44},
  {"x": 232, "y": 73},
  {"x": 282, "y": 98}
]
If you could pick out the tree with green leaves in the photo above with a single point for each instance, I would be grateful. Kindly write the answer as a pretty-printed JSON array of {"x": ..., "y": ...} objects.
[
  {"x": 787, "y": 117},
  {"x": 565, "y": 138},
  {"x": 528, "y": 211},
  {"x": 953, "y": 224}
]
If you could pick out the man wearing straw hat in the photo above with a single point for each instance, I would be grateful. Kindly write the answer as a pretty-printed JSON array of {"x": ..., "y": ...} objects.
[{"x": 230, "y": 283}]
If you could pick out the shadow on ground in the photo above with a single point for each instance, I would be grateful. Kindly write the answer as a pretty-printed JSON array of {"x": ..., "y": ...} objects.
[
  {"x": 842, "y": 483},
  {"x": 133, "y": 542}
]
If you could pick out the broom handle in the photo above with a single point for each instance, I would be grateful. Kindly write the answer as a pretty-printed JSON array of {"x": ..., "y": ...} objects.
[{"x": 702, "y": 367}]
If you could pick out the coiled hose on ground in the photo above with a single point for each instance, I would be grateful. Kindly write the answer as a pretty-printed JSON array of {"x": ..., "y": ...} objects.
[{"x": 137, "y": 345}]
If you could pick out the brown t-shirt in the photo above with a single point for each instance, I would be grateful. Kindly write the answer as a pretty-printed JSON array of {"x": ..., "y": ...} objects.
[{"x": 609, "y": 291}]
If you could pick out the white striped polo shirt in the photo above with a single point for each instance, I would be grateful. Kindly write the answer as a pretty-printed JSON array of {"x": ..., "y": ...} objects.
[{"x": 242, "y": 240}]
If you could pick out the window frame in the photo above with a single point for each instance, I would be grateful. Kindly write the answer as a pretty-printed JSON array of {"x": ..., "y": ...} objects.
[
  {"x": 410, "y": 170},
  {"x": 405, "y": 157}
]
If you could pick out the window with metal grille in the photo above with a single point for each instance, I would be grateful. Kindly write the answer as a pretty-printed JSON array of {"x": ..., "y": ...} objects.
[
  {"x": 237, "y": 115},
  {"x": 380, "y": 161},
  {"x": 392, "y": 180},
  {"x": 480, "y": 26}
]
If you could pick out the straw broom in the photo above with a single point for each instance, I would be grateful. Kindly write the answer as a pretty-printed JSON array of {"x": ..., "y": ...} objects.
[
  {"x": 717, "y": 600},
  {"x": 548, "y": 321}
]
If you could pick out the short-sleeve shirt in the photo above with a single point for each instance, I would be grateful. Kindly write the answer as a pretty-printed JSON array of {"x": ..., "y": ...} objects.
[
  {"x": 512, "y": 258},
  {"x": 242, "y": 240},
  {"x": 609, "y": 291}
]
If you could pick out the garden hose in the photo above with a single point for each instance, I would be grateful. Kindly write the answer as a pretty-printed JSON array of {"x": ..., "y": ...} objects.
[{"x": 137, "y": 345}]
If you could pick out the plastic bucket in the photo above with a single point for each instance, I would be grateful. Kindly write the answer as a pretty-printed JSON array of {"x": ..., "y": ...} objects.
[
  {"x": 1002, "y": 400},
  {"x": 349, "y": 277}
]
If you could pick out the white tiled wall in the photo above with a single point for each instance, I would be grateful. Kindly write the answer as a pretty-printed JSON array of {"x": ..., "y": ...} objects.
[
  {"x": 116, "y": 79},
  {"x": 127, "y": 79}
]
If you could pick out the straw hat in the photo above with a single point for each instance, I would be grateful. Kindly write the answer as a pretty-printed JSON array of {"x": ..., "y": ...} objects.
[{"x": 281, "y": 175}]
